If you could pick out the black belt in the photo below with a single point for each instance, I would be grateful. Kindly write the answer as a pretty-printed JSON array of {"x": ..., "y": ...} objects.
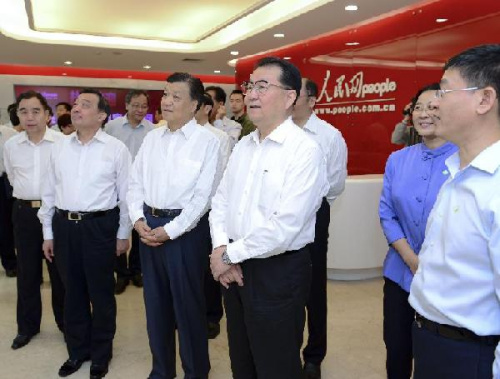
[
  {"x": 454, "y": 332},
  {"x": 30, "y": 203},
  {"x": 155, "y": 212},
  {"x": 78, "y": 216}
]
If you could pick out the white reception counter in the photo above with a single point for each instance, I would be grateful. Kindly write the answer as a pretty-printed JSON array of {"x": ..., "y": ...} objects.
[{"x": 357, "y": 246}]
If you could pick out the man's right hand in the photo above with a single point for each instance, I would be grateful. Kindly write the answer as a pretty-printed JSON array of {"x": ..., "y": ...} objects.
[{"x": 48, "y": 249}]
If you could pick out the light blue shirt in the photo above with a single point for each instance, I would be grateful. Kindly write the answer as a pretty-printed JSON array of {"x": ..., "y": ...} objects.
[
  {"x": 458, "y": 278},
  {"x": 132, "y": 137},
  {"x": 412, "y": 179}
]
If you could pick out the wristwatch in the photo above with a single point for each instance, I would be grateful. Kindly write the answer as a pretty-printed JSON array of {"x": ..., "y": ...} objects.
[{"x": 226, "y": 259}]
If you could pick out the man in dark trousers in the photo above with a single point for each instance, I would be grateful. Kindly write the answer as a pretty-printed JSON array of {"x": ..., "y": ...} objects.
[
  {"x": 170, "y": 187},
  {"x": 26, "y": 158},
  {"x": 131, "y": 130},
  {"x": 7, "y": 252},
  {"x": 85, "y": 224},
  {"x": 261, "y": 222},
  {"x": 334, "y": 149}
]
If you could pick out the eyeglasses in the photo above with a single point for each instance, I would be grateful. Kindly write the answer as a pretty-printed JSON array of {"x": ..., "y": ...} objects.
[
  {"x": 420, "y": 108},
  {"x": 260, "y": 86},
  {"x": 441, "y": 92}
]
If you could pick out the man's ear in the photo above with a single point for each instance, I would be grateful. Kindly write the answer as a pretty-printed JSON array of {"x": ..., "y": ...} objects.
[{"x": 487, "y": 100}]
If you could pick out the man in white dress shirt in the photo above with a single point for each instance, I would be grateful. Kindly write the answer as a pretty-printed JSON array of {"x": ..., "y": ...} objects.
[
  {"x": 170, "y": 187},
  {"x": 262, "y": 220},
  {"x": 26, "y": 157},
  {"x": 85, "y": 224},
  {"x": 213, "y": 295},
  {"x": 131, "y": 130},
  {"x": 333, "y": 146},
  {"x": 218, "y": 116},
  {"x": 7, "y": 252},
  {"x": 456, "y": 289}
]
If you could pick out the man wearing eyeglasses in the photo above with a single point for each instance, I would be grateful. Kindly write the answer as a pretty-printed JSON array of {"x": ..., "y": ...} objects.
[
  {"x": 334, "y": 149},
  {"x": 456, "y": 289},
  {"x": 262, "y": 220},
  {"x": 131, "y": 130}
]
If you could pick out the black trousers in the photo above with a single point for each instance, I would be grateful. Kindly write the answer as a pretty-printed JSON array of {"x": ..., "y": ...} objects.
[
  {"x": 85, "y": 255},
  {"x": 213, "y": 295},
  {"x": 398, "y": 320},
  {"x": 266, "y": 316},
  {"x": 127, "y": 270},
  {"x": 29, "y": 240},
  {"x": 173, "y": 294},
  {"x": 315, "y": 350},
  {"x": 438, "y": 357},
  {"x": 7, "y": 253}
]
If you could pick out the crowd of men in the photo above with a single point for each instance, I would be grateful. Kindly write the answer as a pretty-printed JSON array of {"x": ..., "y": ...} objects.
[{"x": 221, "y": 211}]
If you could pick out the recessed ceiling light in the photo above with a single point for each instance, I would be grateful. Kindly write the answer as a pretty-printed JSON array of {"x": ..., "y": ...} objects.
[
  {"x": 352, "y": 43},
  {"x": 235, "y": 52},
  {"x": 351, "y": 7},
  {"x": 64, "y": 74},
  {"x": 68, "y": 63},
  {"x": 279, "y": 35},
  {"x": 216, "y": 71},
  {"x": 287, "y": 58},
  {"x": 130, "y": 76},
  {"x": 441, "y": 19},
  {"x": 147, "y": 67}
]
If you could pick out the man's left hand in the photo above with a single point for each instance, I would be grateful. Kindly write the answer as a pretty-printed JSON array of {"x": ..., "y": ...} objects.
[
  {"x": 156, "y": 237},
  {"x": 217, "y": 266}
]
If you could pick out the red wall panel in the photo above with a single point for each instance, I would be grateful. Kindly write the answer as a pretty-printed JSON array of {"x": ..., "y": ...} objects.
[{"x": 396, "y": 55}]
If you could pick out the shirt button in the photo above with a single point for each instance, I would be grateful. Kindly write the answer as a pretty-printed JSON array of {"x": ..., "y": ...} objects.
[
  {"x": 416, "y": 223},
  {"x": 425, "y": 177},
  {"x": 419, "y": 199}
]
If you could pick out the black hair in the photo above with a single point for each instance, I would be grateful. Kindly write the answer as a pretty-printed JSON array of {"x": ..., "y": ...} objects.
[
  {"x": 479, "y": 66},
  {"x": 220, "y": 94},
  {"x": 66, "y": 106},
  {"x": 207, "y": 100},
  {"x": 12, "y": 109},
  {"x": 237, "y": 92},
  {"x": 195, "y": 85},
  {"x": 311, "y": 88},
  {"x": 134, "y": 93},
  {"x": 31, "y": 94},
  {"x": 102, "y": 104},
  {"x": 290, "y": 75},
  {"x": 430, "y": 87},
  {"x": 64, "y": 120}
]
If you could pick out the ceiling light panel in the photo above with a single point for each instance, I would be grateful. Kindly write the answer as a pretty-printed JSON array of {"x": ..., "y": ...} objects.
[{"x": 89, "y": 23}]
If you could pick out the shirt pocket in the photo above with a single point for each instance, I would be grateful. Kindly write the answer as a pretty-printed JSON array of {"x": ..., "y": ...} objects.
[{"x": 272, "y": 181}]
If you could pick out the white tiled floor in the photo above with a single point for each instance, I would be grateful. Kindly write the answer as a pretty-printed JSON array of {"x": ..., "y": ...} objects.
[{"x": 355, "y": 346}]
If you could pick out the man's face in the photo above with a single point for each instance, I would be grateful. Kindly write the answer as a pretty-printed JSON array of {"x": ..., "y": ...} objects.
[
  {"x": 32, "y": 115},
  {"x": 85, "y": 113},
  {"x": 236, "y": 103},
  {"x": 60, "y": 110},
  {"x": 176, "y": 104},
  {"x": 269, "y": 109},
  {"x": 216, "y": 103},
  {"x": 456, "y": 109},
  {"x": 137, "y": 108}
]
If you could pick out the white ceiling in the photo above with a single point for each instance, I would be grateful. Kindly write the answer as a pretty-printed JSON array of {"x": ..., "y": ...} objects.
[{"x": 326, "y": 18}]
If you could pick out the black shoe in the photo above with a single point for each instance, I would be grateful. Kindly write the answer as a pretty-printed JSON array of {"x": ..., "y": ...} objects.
[
  {"x": 98, "y": 371},
  {"x": 213, "y": 330},
  {"x": 71, "y": 366},
  {"x": 137, "y": 280},
  {"x": 20, "y": 341},
  {"x": 312, "y": 371},
  {"x": 121, "y": 285},
  {"x": 11, "y": 273}
]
